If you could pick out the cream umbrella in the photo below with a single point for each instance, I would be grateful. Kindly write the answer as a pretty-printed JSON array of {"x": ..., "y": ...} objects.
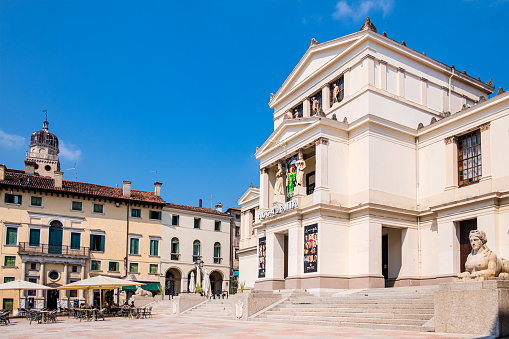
[
  {"x": 191, "y": 283},
  {"x": 206, "y": 283},
  {"x": 100, "y": 283},
  {"x": 22, "y": 285}
]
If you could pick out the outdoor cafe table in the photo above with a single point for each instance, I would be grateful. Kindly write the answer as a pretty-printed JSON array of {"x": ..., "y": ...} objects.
[
  {"x": 44, "y": 316},
  {"x": 138, "y": 312},
  {"x": 93, "y": 313}
]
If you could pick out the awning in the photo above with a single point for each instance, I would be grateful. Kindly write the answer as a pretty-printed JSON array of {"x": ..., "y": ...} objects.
[{"x": 149, "y": 286}]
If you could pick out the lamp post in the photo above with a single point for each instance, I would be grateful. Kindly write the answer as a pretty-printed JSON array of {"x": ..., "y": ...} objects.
[{"x": 199, "y": 264}]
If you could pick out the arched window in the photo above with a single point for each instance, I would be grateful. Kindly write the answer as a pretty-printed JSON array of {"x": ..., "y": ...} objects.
[
  {"x": 175, "y": 249},
  {"x": 196, "y": 250},
  {"x": 217, "y": 253}
]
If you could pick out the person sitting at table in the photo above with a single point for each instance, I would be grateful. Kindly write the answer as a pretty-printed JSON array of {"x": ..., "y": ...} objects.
[{"x": 132, "y": 304}]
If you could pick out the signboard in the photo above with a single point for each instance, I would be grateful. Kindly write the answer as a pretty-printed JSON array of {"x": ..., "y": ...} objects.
[
  {"x": 311, "y": 248},
  {"x": 290, "y": 205},
  {"x": 262, "y": 256},
  {"x": 291, "y": 176}
]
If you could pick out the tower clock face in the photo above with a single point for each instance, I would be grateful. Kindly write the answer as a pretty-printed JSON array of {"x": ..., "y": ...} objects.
[{"x": 47, "y": 167}]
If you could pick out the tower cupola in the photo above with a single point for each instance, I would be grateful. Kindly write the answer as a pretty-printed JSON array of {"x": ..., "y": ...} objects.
[{"x": 44, "y": 151}]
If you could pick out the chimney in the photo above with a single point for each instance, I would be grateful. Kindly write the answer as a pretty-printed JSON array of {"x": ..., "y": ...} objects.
[
  {"x": 58, "y": 179},
  {"x": 29, "y": 167},
  {"x": 219, "y": 207},
  {"x": 2, "y": 172},
  {"x": 158, "y": 188},
  {"x": 127, "y": 188},
  {"x": 200, "y": 203}
]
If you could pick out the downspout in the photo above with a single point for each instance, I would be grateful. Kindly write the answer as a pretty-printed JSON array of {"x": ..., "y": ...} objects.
[
  {"x": 127, "y": 238},
  {"x": 419, "y": 257},
  {"x": 450, "y": 84}
]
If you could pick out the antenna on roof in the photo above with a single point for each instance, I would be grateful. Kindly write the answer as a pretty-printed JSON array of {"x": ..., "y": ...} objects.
[
  {"x": 211, "y": 200},
  {"x": 155, "y": 173},
  {"x": 75, "y": 171},
  {"x": 45, "y": 111}
]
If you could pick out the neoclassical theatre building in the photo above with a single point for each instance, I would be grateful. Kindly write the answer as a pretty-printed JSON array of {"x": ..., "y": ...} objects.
[{"x": 381, "y": 161}]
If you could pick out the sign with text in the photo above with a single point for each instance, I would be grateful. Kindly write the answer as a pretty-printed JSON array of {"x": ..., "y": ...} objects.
[
  {"x": 311, "y": 248},
  {"x": 262, "y": 256},
  {"x": 290, "y": 205}
]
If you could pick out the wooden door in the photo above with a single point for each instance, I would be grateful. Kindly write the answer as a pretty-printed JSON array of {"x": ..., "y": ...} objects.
[{"x": 465, "y": 227}]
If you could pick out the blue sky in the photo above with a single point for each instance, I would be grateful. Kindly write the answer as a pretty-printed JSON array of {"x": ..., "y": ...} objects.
[{"x": 182, "y": 87}]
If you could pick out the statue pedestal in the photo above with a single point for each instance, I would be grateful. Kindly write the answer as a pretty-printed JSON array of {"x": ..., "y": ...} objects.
[
  {"x": 473, "y": 307},
  {"x": 299, "y": 191},
  {"x": 279, "y": 199}
]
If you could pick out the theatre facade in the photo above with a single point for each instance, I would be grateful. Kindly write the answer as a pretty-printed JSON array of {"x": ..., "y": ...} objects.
[{"x": 381, "y": 161}]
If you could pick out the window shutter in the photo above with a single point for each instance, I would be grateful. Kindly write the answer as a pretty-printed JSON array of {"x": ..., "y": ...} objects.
[
  {"x": 91, "y": 242},
  {"x": 20, "y": 196},
  {"x": 6, "y": 198},
  {"x": 102, "y": 243}
]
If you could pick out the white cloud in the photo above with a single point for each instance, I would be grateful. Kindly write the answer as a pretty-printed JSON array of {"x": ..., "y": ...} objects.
[
  {"x": 11, "y": 140},
  {"x": 69, "y": 151},
  {"x": 361, "y": 9}
]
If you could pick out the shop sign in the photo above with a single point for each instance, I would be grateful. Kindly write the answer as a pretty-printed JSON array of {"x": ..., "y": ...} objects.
[{"x": 290, "y": 205}]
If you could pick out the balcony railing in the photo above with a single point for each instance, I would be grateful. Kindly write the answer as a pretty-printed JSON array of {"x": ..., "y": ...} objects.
[
  {"x": 52, "y": 250},
  {"x": 41, "y": 156}
]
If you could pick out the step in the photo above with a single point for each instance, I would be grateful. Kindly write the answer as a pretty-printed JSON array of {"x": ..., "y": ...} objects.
[{"x": 355, "y": 315}]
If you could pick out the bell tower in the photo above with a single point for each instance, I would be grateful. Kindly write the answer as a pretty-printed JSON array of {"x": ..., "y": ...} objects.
[{"x": 44, "y": 152}]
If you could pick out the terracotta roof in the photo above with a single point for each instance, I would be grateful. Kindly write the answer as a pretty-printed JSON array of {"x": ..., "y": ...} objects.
[
  {"x": 18, "y": 178},
  {"x": 197, "y": 209}
]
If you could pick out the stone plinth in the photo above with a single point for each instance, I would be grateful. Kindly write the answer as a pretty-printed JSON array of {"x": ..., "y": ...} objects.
[
  {"x": 245, "y": 304},
  {"x": 185, "y": 301},
  {"x": 279, "y": 199},
  {"x": 476, "y": 307}
]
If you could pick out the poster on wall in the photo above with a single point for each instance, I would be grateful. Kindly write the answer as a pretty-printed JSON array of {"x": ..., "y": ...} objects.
[
  {"x": 262, "y": 256},
  {"x": 311, "y": 248},
  {"x": 291, "y": 176}
]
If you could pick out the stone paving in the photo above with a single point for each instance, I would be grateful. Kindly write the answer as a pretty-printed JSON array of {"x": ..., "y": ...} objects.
[{"x": 187, "y": 327}]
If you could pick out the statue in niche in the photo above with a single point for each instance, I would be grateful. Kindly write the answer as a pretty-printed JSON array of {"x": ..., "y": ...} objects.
[
  {"x": 335, "y": 94},
  {"x": 482, "y": 262},
  {"x": 301, "y": 165},
  {"x": 279, "y": 188},
  {"x": 315, "y": 106}
]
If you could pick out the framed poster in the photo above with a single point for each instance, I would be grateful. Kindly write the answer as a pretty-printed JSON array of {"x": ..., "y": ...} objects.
[
  {"x": 311, "y": 248},
  {"x": 291, "y": 176},
  {"x": 262, "y": 256}
]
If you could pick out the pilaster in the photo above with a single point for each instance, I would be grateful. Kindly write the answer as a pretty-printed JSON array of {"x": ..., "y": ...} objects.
[
  {"x": 401, "y": 82},
  {"x": 326, "y": 97},
  {"x": 370, "y": 70},
  {"x": 42, "y": 281},
  {"x": 383, "y": 75},
  {"x": 424, "y": 91},
  {"x": 347, "y": 80},
  {"x": 451, "y": 163},
  {"x": 486, "y": 153},
  {"x": 264, "y": 188},
  {"x": 321, "y": 194},
  {"x": 306, "y": 108}
]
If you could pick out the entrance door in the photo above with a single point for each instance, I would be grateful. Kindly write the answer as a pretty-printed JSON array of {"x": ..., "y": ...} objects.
[
  {"x": 465, "y": 227},
  {"x": 286, "y": 256},
  {"x": 385, "y": 256},
  {"x": 52, "y": 303},
  {"x": 55, "y": 240}
]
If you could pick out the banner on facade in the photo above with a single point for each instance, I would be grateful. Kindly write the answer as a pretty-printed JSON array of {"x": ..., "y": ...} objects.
[
  {"x": 262, "y": 256},
  {"x": 291, "y": 176},
  {"x": 311, "y": 248}
]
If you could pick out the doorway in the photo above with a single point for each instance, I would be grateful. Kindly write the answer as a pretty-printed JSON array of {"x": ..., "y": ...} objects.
[
  {"x": 52, "y": 303},
  {"x": 385, "y": 257},
  {"x": 216, "y": 282},
  {"x": 172, "y": 282},
  {"x": 285, "y": 244},
  {"x": 55, "y": 237},
  {"x": 465, "y": 227}
]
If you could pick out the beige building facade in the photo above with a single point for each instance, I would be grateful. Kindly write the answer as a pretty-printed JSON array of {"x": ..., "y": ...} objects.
[{"x": 381, "y": 161}]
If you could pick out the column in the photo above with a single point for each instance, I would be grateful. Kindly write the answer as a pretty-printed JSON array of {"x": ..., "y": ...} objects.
[
  {"x": 23, "y": 277},
  {"x": 370, "y": 70},
  {"x": 264, "y": 189},
  {"x": 326, "y": 97},
  {"x": 346, "y": 80},
  {"x": 451, "y": 163},
  {"x": 424, "y": 91},
  {"x": 306, "y": 108},
  {"x": 321, "y": 194},
  {"x": 383, "y": 75},
  {"x": 82, "y": 276},
  {"x": 275, "y": 256},
  {"x": 401, "y": 82},
  {"x": 295, "y": 250},
  {"x": 65, "y": 292},
  {"x": 448, "y": 249},
  {"x": 40, "y": 293}
]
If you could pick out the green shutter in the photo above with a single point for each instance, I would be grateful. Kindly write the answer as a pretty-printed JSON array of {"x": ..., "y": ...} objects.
[
  {"x": 6, "y": 200},
  {"x": 20, "y": 199},
  {"x": 154, "y": 247},
  {"x": 75, "y": 241},
  {"x": 102, "y": 243},
  {"x": 91, "y": 242},
  {"x": 12, "y": 234},
  {"x": 35, "y": 236}
]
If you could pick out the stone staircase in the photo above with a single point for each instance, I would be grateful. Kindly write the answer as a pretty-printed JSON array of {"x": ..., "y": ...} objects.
[
  {"x": 162, "y": 307},
  {"x": 402, "y": 308},
  {"x": 213, "y": 308}
]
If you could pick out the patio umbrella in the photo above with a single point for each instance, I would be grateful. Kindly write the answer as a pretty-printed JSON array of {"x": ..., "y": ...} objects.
[
  {"x": 206, "y": 283},
  {"x": 191, "y": 283},
  {"x": 22, "y": 285},
  {"x": 100, "y": 283}
]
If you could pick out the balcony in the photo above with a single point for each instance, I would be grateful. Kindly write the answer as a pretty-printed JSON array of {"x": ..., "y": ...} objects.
[{"x": 54, "y": 251}]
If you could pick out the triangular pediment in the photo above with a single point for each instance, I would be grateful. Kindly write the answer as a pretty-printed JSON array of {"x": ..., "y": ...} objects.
[
  {"x": 249, "y": 196},
  {"x": 317, "y": 58}
]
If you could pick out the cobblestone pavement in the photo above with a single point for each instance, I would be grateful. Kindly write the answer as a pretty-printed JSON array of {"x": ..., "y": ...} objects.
[{"x": 189, "y": 327}]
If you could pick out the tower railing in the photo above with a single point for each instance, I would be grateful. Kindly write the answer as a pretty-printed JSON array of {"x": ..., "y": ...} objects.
[{"x": 42, "y": 156}]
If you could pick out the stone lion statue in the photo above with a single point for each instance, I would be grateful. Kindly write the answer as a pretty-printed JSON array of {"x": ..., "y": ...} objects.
[
  {"x": 141, "y": 292},
  {"x": 482, "y": 262}
]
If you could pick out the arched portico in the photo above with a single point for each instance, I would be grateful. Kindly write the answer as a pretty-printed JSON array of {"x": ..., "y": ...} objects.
[
  {"x": 172, "y": 281},
  {"x": 216, "y": 281}
]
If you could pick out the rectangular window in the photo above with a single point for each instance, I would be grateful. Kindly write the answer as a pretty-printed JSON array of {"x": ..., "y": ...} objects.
[
  {"x": 217, "y": 226},
  {"x": 98, "y": 208},
  {"x": 154, "y": 215},
  {"x": 237, "y": 231},
  {"x": 77, "y": 206},
  {"x": 74, "y": 268},
  {"x": 133, "y": 267},
  {"x": 33, "y": 266},
  {"x": 97, "y": 242},
  {"x": 154, "y": 247},
  {"x": 35, "y": 201},
  {"x": 310, "y": 183},
  {"x": 8, "y": 304},
  {"x": 10, "y": 261},
  {"x": 32, "y": 293},
  {"x": 95, "y": 265},
  {"x": 175, "y": 220},
  {"x": 469, "y": 158},
  {"x": 11, "y": 236},
  {"x": 34, "y": 237},
  {"x": 8, "y": 279},
  {"x": 73, "y": 293},
  {"x": 237, "y": 217},
  {"x": 153, "y": 268},
  {"x": 114, "y": 266},
  {"x": 13, "y": 199},
  {"x": 135, "y": 246},
  {"x": 197, "y": 222},
  {"x": 76, "y": 241},
  {"x": 135, "y": 213}
]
